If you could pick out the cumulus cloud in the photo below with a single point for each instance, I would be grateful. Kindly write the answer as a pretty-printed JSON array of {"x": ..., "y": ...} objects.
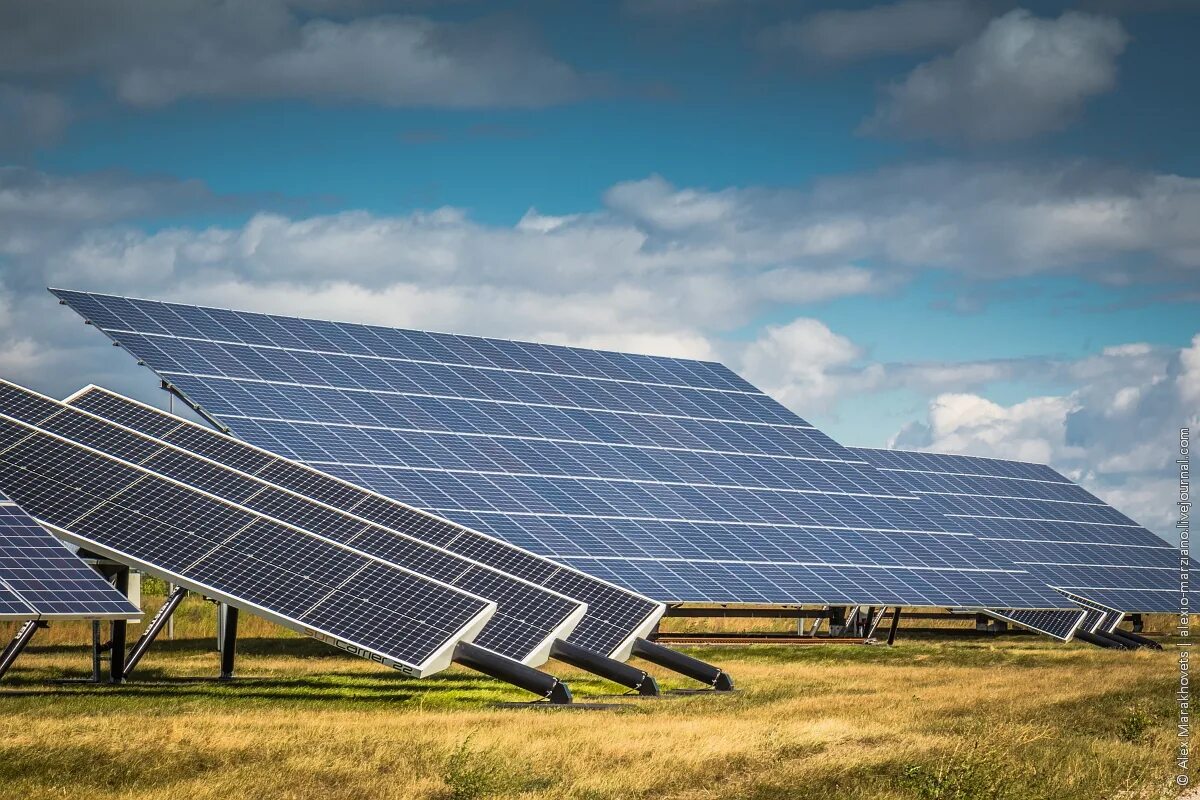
[
  {"x": 1116, "y": 431},
  {"x": 153, "y": 54},
  {"x": 905, "y": 27},
  {"x": 1022, "y": 76}
]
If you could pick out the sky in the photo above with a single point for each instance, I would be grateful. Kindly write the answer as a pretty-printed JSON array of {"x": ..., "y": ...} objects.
[{"x": 958, "y": 225}]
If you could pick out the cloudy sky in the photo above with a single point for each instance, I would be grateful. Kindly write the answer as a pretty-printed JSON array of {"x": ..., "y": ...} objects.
[{"x": 961, "y": 225}]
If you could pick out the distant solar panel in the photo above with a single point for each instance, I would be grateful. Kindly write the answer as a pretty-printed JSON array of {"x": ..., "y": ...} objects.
[
  {"x": 614, "y": 615},
  {"x": 186, "y": 536},
  {"x": 40, "y": 578},
  {"x": 1046, "y": 524},
  {"x": 673, "y": 478}
]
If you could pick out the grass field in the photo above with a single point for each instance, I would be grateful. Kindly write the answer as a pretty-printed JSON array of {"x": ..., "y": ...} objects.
[{"x": 930, "y": 719}]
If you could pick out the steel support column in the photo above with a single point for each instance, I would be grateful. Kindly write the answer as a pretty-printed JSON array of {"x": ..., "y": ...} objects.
[
  {"x": 18, "y": 644},
  {"x": 228, "y": 642},
  {"x": 153, "y": 629},
  {"x": 685, "y": 665},
  {"x": 511, "y": 671},
  {"x": 605, "y": 667},
  {"x": 119, "y": 628}
]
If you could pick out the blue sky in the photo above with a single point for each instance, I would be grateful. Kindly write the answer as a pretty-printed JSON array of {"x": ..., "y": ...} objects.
[{"x": 964, "y": 225}]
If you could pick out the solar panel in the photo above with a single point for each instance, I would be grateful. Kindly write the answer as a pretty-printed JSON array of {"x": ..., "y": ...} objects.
[
  {"x": 1046, "y": 524},
  {"x": 1058, "y": 624},
  {"x": 614, "y": 616},
  {"x": 528, "y": 618},
  {"x": 41, "y": 579},
  {"x": 673, "y": 478},
  {"x": 1100, "y": 617},
  {"x": 188, "y": 537}
]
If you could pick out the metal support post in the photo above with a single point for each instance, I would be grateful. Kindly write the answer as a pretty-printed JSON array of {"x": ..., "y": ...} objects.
[
  {"x": 873, "y": 621},
  {"x": 96, "y": 647},
  {"x": 228, "y": 642},
  {"x": 18, "y": 644},
  {"x": 153, "y": 629},
  {"x": 605, "y": 667},
  {"x": 511, "y": 671},
  {"x": 1101, "y": 640},
  {"x": 119, "y": 627},
  {"x": 1133, "y": 640},
  {"x": 683, "y": 664},
  {"x": 895, "y": 625}
]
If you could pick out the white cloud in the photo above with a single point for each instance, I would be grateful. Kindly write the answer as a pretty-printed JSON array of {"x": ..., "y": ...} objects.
[
  {"x": 1116, "y": 431},
  {"x": 803, "y": 364},
  {"x": 1022, "y": 76},
  {"x": 153, "y": 54},
  {"x": 905, "y": 27}
]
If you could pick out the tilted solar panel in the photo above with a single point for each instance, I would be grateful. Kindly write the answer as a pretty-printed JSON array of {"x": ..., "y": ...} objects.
[
  {"x": 614, "y": 616},
  {"x": 186, "y": 536},
  {"x": 673, "y": 478},
  {"x": 1058, "y": 624},
  {"x": 1044, "y": 523},
  {"x": 528, "y": 617},
  {"x": 40, "y": 578}
]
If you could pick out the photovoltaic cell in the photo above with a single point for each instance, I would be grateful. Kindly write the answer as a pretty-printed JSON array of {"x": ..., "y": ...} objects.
[
  {"x": 189, "y": 537},
  {"x": 673, "y": 478},
  {"x": 1044, "y": 523},
  {"x": 40, "y": 578},
  {"x": 369, "y": 522}
]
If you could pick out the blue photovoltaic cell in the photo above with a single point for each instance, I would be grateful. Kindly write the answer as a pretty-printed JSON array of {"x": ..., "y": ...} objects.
[
  {"x": 1046, "y": 524},
  {"x": 41, "y": 578},
  {"x": 673, "y": 478},
  {"x": 175, "y": 530}
]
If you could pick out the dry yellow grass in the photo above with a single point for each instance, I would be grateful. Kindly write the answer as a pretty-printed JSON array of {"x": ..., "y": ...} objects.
[{"x": 1014, "y": 717}]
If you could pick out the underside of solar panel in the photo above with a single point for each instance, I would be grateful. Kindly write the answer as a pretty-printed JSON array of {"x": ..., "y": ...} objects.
[
  {"x": 1047, "y": 525},
  {"x": 673, "y": 478},
  {"x": 41, "y": 579},
  {"x": 189, "y": 537}
]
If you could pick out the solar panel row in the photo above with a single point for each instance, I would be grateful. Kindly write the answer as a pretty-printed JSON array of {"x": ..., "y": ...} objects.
[
  {"x": 1046, "y": 524},
  {"x": 192, "y": 538},
  {"x": 528, "y": 618},
  {"x": 673, "y": 478}
]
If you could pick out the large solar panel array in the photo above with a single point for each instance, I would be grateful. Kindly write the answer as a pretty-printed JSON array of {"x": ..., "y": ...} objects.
[
  {"x": 528, "y": 617},
  {"x": 614, "y": 615},
  {"x": 41, "y": 579},
  {"x": 1046, "y": 524},
  {"x": 189, "y": 537},
  {"x": 673, "y": 478}
]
